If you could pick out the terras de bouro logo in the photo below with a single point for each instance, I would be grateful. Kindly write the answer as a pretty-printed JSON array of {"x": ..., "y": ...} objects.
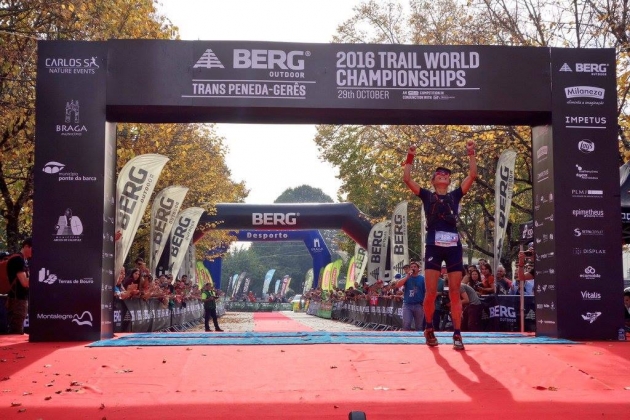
[
  {"x": 72, "y": 121},
  {"x": 591, "y": 316},
  {"x": 44, "y": 276}
]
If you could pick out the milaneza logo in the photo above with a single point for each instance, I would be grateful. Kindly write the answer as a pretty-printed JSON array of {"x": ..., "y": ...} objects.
[
  {"x": 591, "y": 316},
  {"x": 208, "y": 60},
  {"x": 584, "y": 92},
  {"x": 85, "y": 318}
]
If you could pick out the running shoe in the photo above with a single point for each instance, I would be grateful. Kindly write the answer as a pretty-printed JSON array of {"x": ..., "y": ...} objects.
[
  {"x": 458, "y": 344},
  {"x": 429, "y": 336}
]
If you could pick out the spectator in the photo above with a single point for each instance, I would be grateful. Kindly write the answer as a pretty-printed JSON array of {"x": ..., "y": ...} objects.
[
  {"x": 118, "y": 287},
  {"x": 251, "y": 297},
  {"x": 140, "y": 265},
  {"x": 503, "y": 284},
  {"x": 209, "y": 297},
  {"x": 413, "y": 298},
  {"x": 473, "y": 308},
  {"x": 473, "y": 279},
  {"x": 133, "y": 277},
  {"x": 487, "y": 280},
  {"x": 17, "y": 300},
  {"x": 525, "y": 272}
]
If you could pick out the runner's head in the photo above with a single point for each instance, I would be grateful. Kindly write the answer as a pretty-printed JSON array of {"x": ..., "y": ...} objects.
[{"x": 441, "y": 176}]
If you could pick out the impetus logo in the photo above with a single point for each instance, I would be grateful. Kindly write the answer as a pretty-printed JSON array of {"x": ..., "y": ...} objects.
[
  {"x": 274, "y": 219},
  {"x": 591, "y": 316},
  {"x": 208, "y": 60},
  {"x": 584, "y": 92}
]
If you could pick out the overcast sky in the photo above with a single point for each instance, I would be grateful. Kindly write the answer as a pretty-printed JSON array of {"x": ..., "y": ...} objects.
[{"x": 269, "y": 158}]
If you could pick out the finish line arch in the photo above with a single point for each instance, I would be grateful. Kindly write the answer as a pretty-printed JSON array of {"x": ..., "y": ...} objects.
[
  {"x": 567, "y": 96},
  {"x": 312, "y": 239}
]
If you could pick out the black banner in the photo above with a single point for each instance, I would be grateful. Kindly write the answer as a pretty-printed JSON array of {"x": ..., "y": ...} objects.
[
  {"x": 577, "y": 206},
  {"x": 272, "y": 81},
  {"x": 71, "y": 277}
]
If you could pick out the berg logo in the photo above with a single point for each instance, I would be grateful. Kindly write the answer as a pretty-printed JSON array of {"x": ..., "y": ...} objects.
[{"x": 209, "y": 60}]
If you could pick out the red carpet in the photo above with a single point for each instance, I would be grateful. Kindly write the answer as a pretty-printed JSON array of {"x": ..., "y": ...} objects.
[
  {"x": 275, "y": 321},
  {"x": 70, "y": 381}
]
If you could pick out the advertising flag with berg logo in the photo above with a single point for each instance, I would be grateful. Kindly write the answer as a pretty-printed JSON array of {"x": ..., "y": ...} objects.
[
  {"x": 165, "y": 208},
  {"x": 134, "y": 187},
  {"x": 181, "y": 236},
  {"x": 377, "y": 251},
  {"x": 503, "y": 188},
  {"x": 399, "y": 240}
]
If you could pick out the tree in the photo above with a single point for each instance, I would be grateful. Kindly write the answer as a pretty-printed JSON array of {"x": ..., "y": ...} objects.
[{"x": 22, "y": 24}]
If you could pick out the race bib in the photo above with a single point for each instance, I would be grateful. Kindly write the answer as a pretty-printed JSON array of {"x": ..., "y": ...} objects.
[{"x": 446, "y": 239}]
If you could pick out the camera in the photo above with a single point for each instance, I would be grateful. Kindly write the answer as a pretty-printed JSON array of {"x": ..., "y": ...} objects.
[{"x": 444, "y": 297}]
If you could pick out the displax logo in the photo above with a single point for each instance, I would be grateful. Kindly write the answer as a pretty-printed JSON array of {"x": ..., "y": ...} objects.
[{"x": 72, "y": 121}]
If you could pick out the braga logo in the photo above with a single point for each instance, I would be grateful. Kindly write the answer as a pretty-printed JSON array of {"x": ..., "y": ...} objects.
[
  {"x": 209, "y": 60},
  {"x": 72, "y": 121}
]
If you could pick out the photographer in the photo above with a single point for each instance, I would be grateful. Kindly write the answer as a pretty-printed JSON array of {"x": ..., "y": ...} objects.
[
  {"x": 525, "y": 271},
  {"x": 413, "y": 297}
]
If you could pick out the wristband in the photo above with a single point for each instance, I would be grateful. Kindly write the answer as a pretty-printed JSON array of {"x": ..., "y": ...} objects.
[
  {"x": 409, "y": 160},
  {"x": 471, "y": 152}
]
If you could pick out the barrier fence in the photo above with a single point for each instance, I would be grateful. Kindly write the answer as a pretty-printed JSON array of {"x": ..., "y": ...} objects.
[
  {"x": 240, "y": 306},
  {"x": 500, "y": 313},
  {"x": 138, "y": 315}
]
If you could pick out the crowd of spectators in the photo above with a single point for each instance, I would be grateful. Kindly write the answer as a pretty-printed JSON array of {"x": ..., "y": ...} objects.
[{"x": 138, "y": 283}]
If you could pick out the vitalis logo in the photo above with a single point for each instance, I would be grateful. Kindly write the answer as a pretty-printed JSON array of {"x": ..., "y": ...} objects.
[
  {"x": 72, "y": 65},
  {"x": 71, "y": 126},
  {"x": 55, "y": 168},
  {"x": 586, "y": 295},
  {"x": 591, "y": 316}
]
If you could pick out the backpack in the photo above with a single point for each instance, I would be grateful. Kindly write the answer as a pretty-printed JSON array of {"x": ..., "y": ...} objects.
[{"x": 5, "y": 282}]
